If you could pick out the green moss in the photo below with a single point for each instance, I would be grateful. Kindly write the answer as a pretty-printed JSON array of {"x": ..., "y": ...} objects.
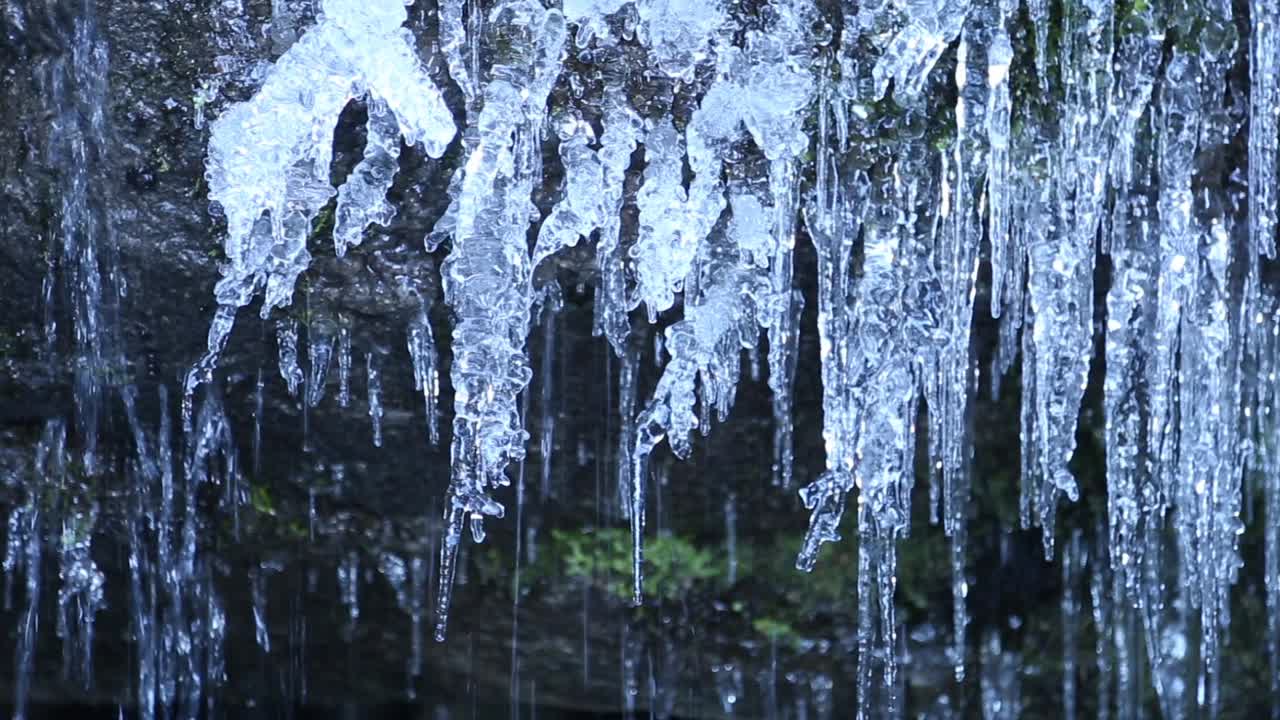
[
  {"x": 260, "y": 499},
  {"x": 322, "y": 225},
  {"x": 673, "y": 565},
  {"x": 778, "y": 631}
]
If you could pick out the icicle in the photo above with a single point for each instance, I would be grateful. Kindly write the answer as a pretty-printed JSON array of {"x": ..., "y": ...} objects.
[
  {"x": 1177, "y": 273},
  {"x": 344, "y": 366},
  {"x": 374, "y": 384},
  {"x": 627, "y": 389},
  {"x": 258, "y": 594},
  {"x": 1132, "y": 301},
  {"x": 1061, "y": 264},
  {"x": 1264, "y": 98},
  {"x": 664, "y": 253},
  {"x": 1000, "y": 193},
  {"x": 930, "y": 28},
  {"x": 581, "y": 210},
  {"x": 1072, "y": 564},
  {"x": 782, "y": 373},
  {"x": 349, "y": 589},
  {"x": 622, "y": 133},
  {"x": 453, "y": 41},
  {"x": 546, "y": 442},
  {"x": 287, "y": 343},
  {"x": 487, "y": 277},
  {"x": 320, "y": 354},
  {"x": 362, "y": 198},
  {"x": 426, "y": 379},
  {"x": 873, "y": 351},
  {"x": 1207, "y": 491},
  {"x": 1131, "y": 304}
]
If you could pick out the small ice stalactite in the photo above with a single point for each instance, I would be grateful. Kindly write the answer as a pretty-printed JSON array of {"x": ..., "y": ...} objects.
[
  {"x": 373, "y": 385},
  {"x": 349, "y": 589},
  {"x": 552, "y": 303},
  {"x": 319, "y": 355},
  {"x": 362, "y": 198},
  {"x": 269, "y": 157},
  {"x": 666, "y": 247},
  {"x": 344, "y": 367},
  {"x": 426, "y": 378},
  {"x": 287, "y": 348},
  {"x": 623, "y": 131}
]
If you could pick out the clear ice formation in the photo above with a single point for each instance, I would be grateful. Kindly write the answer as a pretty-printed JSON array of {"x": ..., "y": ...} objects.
[
  {"x": 269, "y": 157},
  {"x": 488, "y": 275},
  {"x": 917, "y": 144}
]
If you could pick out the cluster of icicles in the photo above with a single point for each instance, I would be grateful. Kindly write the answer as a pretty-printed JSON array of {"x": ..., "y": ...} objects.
[{"x": 1104, "y": 129}]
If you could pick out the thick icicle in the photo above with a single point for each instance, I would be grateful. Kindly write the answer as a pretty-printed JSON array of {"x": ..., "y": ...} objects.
[
  {"x": 487, "y": 277},
  {"x": 1131, "y": 303},
  {"x": 1061, "y": 264},
  {"x": 1264, "y": 98},
  {"x": 664, "y": 253},
  {"x": 875, "y": 341}
]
